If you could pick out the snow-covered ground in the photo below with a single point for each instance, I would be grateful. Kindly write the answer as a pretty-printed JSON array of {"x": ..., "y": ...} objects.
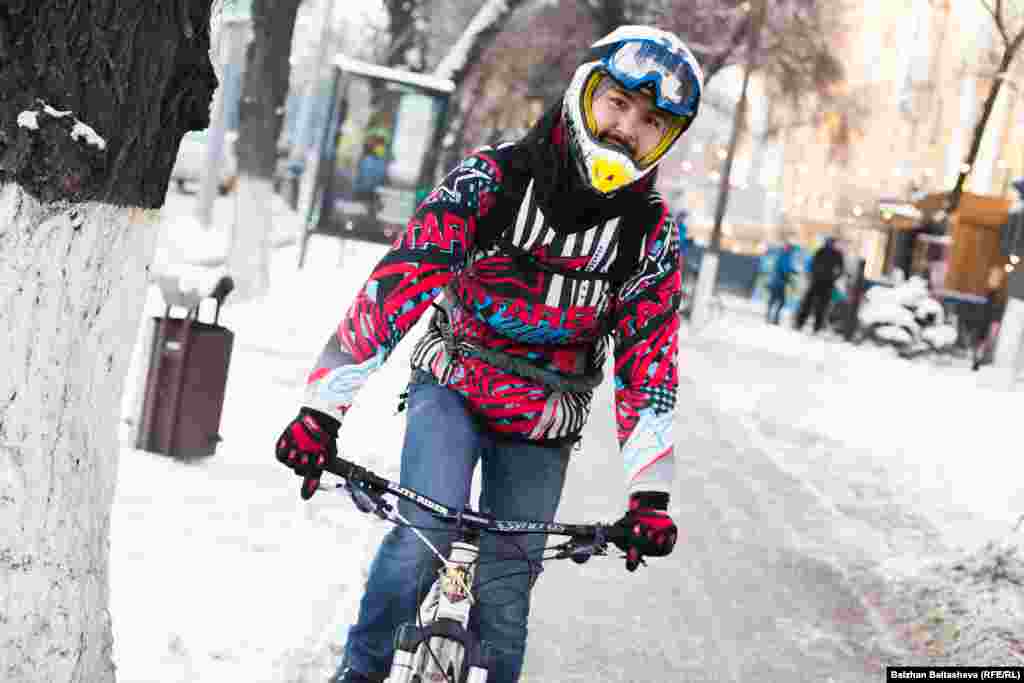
[{"x": 220, "y": 572}]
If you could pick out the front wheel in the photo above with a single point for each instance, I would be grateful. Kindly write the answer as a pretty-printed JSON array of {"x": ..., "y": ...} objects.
[
  {"x": 404, "y": 662},
  {"x": 440, "y": 659},
  {"x": 420, "y": 659}
]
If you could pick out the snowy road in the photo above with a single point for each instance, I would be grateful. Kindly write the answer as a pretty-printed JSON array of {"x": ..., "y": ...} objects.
[
  {"x": 785, "y": 536},
  {"x": 811, "y": 475}
]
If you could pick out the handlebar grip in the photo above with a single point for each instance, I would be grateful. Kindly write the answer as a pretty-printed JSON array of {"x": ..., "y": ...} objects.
[
  {"x": 353, "y": 473},
  {"x": 616, "y": 534},
  {"x": 338, "y": 467}
]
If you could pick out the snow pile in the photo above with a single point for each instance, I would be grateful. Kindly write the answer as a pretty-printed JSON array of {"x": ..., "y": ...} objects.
[
  {"x": 80, "y": 130},
  {"x": 906, "y": 315},
  {"x": 968, "y": 611}
]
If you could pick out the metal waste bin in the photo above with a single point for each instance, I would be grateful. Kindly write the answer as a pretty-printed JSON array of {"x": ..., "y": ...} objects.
[{"x": 186, "y": 377}]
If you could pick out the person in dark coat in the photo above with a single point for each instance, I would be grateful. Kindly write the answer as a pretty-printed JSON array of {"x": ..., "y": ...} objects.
[
  {"x": 826, "y": 268},
  {"x": 992, "y": 317}
]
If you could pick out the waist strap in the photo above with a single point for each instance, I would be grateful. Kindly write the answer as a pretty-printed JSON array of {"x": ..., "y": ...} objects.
[{"x": 517, "y": 365}]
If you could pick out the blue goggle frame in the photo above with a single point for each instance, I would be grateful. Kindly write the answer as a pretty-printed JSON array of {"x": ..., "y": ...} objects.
[{"x": 655, "y": 64}]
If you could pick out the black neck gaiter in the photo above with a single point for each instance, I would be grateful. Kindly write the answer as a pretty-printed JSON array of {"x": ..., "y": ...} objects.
[{"x": 569, "y": 205}]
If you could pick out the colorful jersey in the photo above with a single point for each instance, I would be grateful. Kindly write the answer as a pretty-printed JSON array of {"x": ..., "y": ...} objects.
[{"x": 496, "y": 302}]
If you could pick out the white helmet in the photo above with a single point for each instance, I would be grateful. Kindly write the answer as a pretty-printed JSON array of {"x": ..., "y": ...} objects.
[{"x": 634, "y": 57}]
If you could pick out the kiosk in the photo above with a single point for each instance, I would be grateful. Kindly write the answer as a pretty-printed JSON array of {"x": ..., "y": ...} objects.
[{"x": 377, "y": 154}]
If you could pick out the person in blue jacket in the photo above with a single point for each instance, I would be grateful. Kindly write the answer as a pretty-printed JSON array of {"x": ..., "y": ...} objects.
[
  {"x": 681, "y": 217},
  {"x": 782, "y": 272}
]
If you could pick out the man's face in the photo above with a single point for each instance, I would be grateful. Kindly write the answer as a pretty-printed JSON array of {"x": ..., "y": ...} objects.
[{"x": 630, "y": 120}]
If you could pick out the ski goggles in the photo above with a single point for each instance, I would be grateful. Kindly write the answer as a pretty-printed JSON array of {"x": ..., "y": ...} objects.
[{"x": 638, "y": 63}]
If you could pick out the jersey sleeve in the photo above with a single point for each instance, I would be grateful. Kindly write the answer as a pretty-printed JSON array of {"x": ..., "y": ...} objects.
[
  {"x": 646, "y": 339},
  {"x": 404, "y": 283}
]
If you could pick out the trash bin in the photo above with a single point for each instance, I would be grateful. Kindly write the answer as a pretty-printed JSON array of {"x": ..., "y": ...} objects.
[{"x": 187, "y": 375}]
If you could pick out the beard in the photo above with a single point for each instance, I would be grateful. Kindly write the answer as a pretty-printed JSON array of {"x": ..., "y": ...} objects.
[{"x": 620, "y": 145}]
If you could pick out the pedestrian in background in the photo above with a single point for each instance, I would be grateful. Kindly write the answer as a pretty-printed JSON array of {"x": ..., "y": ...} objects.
[
  {"x": 782, "y": 273},
  {"x": 992, "y": 317},
  {"x": 826, "y": 269},
  {"x": 681, "y": 227}
]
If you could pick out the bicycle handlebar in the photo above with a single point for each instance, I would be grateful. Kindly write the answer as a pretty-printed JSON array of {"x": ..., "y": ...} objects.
[{"x": 367, "y": 490}]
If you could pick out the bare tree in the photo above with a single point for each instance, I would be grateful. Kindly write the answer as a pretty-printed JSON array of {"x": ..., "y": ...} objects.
[
  {"x": 787, "y": 42},
  {"x": 753, "y": 33},
  {"x": 478, "y": 34},
  {"x": 96, "y": 98},
  {"x": 530, "y": 59},
  {"x": 406, "y": 34},
  {"x": 607, "y": 15},
  {"x": 794, "y": 50},
  {"x": 261, "y": 115},
  {"x": 1009, "y": 25}
]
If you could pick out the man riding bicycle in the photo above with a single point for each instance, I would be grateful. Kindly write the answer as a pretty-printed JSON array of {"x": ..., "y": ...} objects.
[{"x": 543, "y": 250}]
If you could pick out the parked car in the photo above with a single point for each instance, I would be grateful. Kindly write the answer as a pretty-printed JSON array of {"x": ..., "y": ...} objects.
[{"x": 191, "y": 163}]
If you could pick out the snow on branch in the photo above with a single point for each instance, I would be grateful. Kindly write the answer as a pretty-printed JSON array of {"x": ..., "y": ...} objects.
[
  {"x": 83, "y": 130},
  {"x": 80, "y": 130},
  {"x": 28, "y": 119},
  {"x": 486, "y": 19}
]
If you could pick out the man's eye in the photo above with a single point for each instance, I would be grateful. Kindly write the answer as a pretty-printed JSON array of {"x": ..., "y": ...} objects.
[{"x": 619, "y": 102}]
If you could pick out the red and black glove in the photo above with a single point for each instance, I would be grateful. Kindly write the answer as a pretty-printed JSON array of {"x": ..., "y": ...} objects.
[
  {"x": 306, "y": 445},
  {"x": 649, "y": 529}
]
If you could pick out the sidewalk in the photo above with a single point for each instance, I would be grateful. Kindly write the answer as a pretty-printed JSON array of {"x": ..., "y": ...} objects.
[
  {"x": 192, "y": 244},
  {"x": 988, "y": 377},
  {"x": 219, "y": 571}
]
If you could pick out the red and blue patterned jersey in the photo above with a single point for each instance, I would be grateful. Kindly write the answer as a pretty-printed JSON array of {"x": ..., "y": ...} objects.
[{"x": 559, "y": 323}]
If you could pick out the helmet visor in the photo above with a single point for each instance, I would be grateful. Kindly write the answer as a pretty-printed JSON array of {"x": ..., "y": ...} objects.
[{"x": 646, "y": 62}]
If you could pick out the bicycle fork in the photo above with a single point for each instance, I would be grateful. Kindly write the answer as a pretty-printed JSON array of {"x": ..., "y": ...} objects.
[{"x": 437, "y": 651}]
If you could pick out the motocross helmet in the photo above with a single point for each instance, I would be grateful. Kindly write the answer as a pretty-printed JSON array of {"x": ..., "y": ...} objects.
[{"x": 635, "y": 58}]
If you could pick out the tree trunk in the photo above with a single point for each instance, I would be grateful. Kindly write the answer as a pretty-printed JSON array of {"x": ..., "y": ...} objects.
[
  {"x": 479, "y": 33},
  {"x": 261, "y": 117},
  {"x": 737, "y": 124},
  {"x": 406, "y": 48},
  {"x": 608, "y": 15},
  {"x": 96, "y": 97},
  {"x": 707, "y": 278},
  {"x": 979, "y": 129}
]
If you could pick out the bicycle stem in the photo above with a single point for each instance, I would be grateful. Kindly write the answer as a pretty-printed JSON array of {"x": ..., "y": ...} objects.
[{"x": 395, "y": 515}]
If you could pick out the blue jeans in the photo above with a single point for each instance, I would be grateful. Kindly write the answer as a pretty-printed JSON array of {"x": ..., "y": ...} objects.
[
  {"x": 518, "y": 481},
  {"x": 776, "y": 302}
]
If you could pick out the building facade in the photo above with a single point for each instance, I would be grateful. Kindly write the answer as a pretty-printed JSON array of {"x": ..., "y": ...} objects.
[{"x": 898, "y": 127}]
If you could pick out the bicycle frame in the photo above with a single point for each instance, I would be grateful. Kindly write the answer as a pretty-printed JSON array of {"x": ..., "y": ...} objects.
[{"x": 441, "y": 647}]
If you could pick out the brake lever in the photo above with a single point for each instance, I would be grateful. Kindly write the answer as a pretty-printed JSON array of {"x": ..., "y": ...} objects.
[
  {"x": 579, "y": 552},
  {"x": 367, "y": 501}
]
